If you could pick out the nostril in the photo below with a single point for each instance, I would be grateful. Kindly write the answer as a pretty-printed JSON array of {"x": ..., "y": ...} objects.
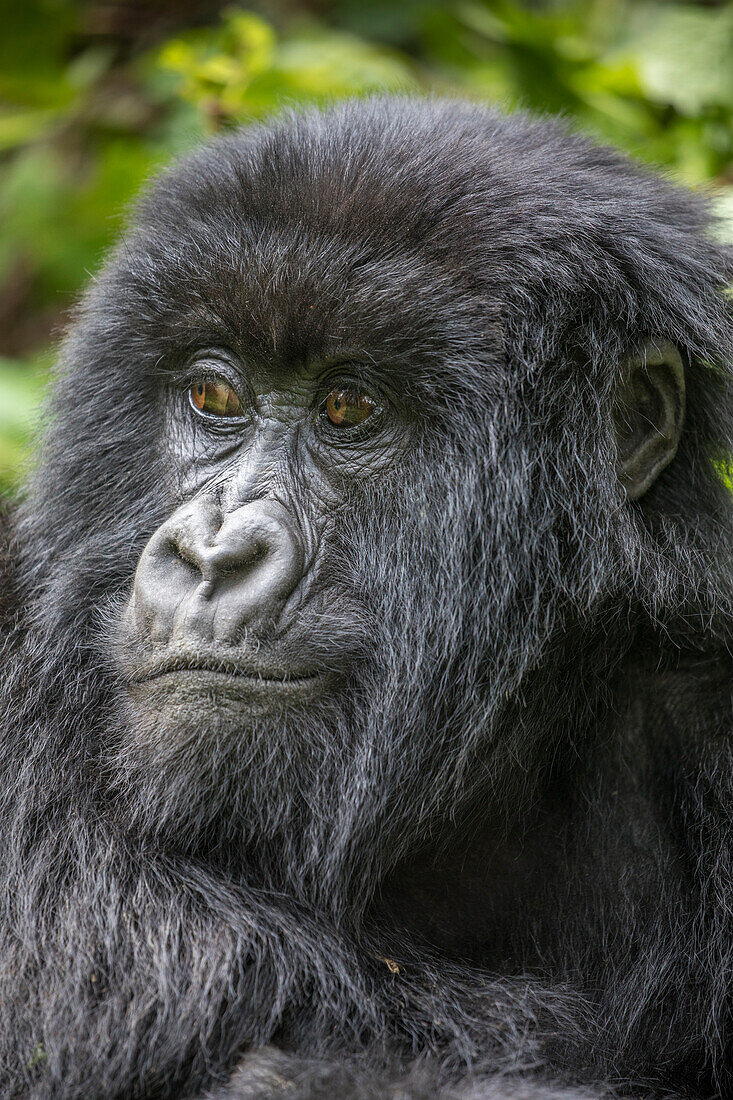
[
  {"x": 219, "y": 565},
  {"x": 183, "y": 554}
]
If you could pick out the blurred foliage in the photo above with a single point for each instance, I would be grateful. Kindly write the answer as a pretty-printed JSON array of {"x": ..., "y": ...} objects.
[
  {"x": 96, "y": 95},
  {"x": 241, "y": 69}
]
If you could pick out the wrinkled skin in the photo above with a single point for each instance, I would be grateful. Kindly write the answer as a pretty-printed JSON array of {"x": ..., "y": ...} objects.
[{"x": 367, "y": 624}]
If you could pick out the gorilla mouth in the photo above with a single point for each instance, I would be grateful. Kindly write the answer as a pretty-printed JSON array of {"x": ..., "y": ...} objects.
[{"x": 269, "y": 676}]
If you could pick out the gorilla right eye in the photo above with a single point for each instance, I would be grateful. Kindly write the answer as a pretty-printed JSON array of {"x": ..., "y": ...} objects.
[{"x": 215, "y": 397}]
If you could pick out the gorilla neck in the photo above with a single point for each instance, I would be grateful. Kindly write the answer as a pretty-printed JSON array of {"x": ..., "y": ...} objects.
[{"x": 524, "y": 895}]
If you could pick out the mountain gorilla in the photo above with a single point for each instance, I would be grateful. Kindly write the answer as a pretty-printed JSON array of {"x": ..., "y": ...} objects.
[{"x": 367, "y": 670}]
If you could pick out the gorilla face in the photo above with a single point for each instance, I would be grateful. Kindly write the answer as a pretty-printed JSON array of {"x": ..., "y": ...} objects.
[
  {"x": 243, "y": 636},
  {"x": 231, "y": 590},
  {"x": 269, "y": 641}
]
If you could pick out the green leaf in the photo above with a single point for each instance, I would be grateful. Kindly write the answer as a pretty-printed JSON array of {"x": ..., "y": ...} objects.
[{"x": 685, "y": 55}]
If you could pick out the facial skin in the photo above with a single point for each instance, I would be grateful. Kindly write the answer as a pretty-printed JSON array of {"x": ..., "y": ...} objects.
[{"x": 265, "y": 463}]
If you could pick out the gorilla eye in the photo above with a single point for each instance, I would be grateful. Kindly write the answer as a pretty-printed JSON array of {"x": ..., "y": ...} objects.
[
  {"x": 215, "y": 397},
  {"x": 345, "y": 408}
]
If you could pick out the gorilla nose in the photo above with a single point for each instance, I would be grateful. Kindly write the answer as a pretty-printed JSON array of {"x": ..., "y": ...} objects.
[{"x": 207, "y": 576}]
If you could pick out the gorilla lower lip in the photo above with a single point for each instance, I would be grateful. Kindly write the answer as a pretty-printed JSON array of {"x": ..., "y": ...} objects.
[
  {"x": 270, "y": 678},
  {"x": 247, "y": 691}
]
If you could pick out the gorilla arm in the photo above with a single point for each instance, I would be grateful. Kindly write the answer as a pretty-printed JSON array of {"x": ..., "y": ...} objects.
[{"x": 173, "y": 971}]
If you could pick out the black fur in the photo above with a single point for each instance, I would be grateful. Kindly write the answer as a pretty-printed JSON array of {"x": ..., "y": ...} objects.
[{"x": 499, "y": 864}]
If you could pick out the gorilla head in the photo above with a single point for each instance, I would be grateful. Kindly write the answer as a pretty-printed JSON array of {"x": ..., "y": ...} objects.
[
  {"x": 370, "y": 402},
  {"x": 381, "y": 462}
]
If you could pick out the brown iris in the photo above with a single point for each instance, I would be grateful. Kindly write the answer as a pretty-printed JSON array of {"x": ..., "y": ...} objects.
[
  {"x": 345, "y": 408},
  {"x": 215, "y": 397}
]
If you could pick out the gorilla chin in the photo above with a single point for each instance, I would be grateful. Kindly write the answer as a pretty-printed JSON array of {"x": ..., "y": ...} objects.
[{"x": 224, "y": 722}]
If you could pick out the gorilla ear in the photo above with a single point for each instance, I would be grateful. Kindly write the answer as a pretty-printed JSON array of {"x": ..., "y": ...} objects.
[{"x": 648, "y": 416}]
